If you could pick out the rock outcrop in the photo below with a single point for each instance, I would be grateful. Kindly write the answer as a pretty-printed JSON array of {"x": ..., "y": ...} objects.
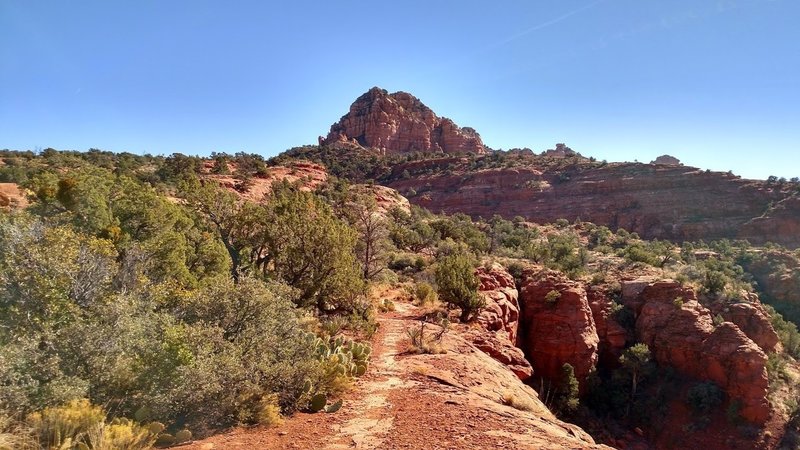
[
  {"x": 476, "y": 379},
  {"x": 681, "y": 334},
  {"x": 386, "y": 199},
  {"x": 557, "y": 326},
  {"x": 667, "y": 160},
  {"x": 561, "y": 151},
  {"x": 308, "y": 176},
  {"x": 499, "y": 320},
  {"x": 751, "y": 318},
  {"x": 400, "y": 123},
  {"x": 12, "y": 196},
  {"x": 501, "y": 312}
]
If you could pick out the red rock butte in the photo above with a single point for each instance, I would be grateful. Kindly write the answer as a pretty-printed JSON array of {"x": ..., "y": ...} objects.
[{"x": 400, "y": 123}]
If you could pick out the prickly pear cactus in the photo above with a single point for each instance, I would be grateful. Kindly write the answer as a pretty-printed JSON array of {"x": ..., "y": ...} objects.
[
  {"x": 334, "y": 407},
  {"x": 183, "y": 436},
  {"x": 318, "y": 402}
]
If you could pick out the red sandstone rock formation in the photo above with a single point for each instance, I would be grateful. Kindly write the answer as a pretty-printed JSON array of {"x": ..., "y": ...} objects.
[
  {"x": 667, "y": 160},
  {"x": 751, "y": 318},
  {"x": 400, "y": 123},
  {"x": 657, "y": 201},
  {"x": 782, "y": 221},
  {"x": 499, "y": 320},
  {"x": 310, "y": 176},
  {"x": 558, "y": 330},
  {"x": 682, "y": 335},
  {"x": 496, "y": 345},
  {"x": 561, "y": 151},
  {"x": 501, "y": 312}
]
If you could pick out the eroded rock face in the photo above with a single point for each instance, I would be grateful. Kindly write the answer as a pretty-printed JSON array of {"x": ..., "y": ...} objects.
[
  {"x": 682, "y": 335},
  {"x": 751, "y": 318},
  {"x": 780, "y": 220},
  {"x": 501, "y": 312},
  {"x": 654, "y": 200},
  {"x": 400, "y": 123},
  {"x": 558, "y": 330},
  {"x": 496, "y": 345},
  {"x": 499, "y": 320}
]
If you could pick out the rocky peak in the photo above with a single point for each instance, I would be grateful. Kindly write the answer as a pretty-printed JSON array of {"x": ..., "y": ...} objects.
[
  {"x": 561, "y": 151},
  {"x": 667, "y": 160},
  {"x": 400, "y": 123}
]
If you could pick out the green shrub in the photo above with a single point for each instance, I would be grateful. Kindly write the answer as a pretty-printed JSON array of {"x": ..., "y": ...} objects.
[
  {"x": 458, "y": 285},
  {"x": 714, "y": 281},
  {"x": 425, "y": 294},
  {"x": 552, "y": 297},
  {"x": 568, "y": 400},
  {"x": 704, "y": 397}
]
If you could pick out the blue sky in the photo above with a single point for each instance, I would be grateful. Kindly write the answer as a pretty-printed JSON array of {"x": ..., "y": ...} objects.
[{"x": 715, "y": 83}]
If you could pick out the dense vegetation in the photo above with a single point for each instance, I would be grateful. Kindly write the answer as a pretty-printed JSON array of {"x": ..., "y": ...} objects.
[{"x": 177, "y": 303}]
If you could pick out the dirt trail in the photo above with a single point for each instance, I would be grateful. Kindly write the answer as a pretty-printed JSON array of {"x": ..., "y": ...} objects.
[
  {"x": 372, "y": 415},
  {"x": 408, "y": 401}
]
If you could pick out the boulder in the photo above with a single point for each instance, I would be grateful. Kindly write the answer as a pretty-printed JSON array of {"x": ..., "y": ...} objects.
[{"x": 751, "y": 318}]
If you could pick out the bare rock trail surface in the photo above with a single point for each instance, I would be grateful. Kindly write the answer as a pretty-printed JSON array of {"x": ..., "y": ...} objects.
[{"x": 452, "y": 400}]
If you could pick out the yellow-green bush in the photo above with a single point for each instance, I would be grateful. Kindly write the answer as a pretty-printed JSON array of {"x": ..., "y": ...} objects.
[
  {"x": 63, "y": 426},
  {"x": 425, "y": 294},
  {"x": 120, "y": 434},
  {"x": 79, "y": 424},
  {"x": 15, "y": 436}
]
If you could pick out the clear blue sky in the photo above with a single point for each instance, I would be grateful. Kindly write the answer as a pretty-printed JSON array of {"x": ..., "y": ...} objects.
[{"x": 715, "y": 83}]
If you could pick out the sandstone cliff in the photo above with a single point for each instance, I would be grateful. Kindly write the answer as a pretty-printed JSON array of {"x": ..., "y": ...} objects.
[{"x": 657, "y": 201}]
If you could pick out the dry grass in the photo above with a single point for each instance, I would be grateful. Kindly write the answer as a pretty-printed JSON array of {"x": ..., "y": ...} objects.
[
  {"x": 15, "y": 436},
  {"x": 426, "y": 341},
  {"x": 509, "y": 399}
]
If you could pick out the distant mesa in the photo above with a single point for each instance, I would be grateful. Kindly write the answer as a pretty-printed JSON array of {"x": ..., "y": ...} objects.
[
  {"x": 667, "y": 160},
  {"x": 400, "y": 123}
]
